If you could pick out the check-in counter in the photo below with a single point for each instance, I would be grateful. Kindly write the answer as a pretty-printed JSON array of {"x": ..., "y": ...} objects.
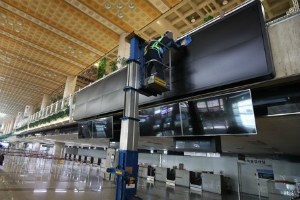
[
  {"x": 143, "y": 171},
  {"x": 161, "y": 174},
  {"x": 150, "y": 174},
  {"x": 182, "y": 177},
  {"x": 212, "y": 183},
  {"x": 171, "y": 176},
  {"x": 195, "y": 181}
]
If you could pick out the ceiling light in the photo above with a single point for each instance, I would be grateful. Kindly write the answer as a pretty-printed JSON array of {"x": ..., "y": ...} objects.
[
  {"x": 19, "y": 23},
  {"x": 65, "y": 51},
  {"x": 107, "y": 6},
  {"x": 193, "y": 19},
  {"x": 119, "y": 5},
  {"x": 2, "y": 115},
  {"x": 79, "y": 51},
  {"x": 10, "y": 23},
  {"x": 17, "y": 30},
  {"x": 3, "y": 15},
  {"x": 225, "y": 2},
  {"x": 75, "y": 56},
  {"x": 2, "y": 78},
  {"x": 131, "y": 5},
  {"x": 120, "y": 15},
  {"x": 2, "y": 23}
]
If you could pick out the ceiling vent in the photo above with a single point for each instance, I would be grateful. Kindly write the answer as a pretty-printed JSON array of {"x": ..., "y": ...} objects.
[{"x": 256, "y": 142}]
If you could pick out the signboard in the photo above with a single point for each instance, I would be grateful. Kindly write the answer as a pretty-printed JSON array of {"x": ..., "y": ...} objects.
[{"x": 265, "y": 174}]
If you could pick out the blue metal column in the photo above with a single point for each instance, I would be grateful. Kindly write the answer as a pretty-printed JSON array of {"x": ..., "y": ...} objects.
[{"x": 127, "y": 170}]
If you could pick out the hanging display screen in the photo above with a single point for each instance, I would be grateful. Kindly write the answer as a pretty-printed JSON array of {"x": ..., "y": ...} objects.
[
  {"x": 85, "y": 129},
  {"x": 162, "y": 121},
  {"x": 227, "y": 114},
  {"x": 103, "y": 128}
]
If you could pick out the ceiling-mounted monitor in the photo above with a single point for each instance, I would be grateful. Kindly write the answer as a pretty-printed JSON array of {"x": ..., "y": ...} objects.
[
  {"x": 103, "y": 127},
  {"x": 85, "y": 129},
  {"x": 161, "y": 121},
  {"x": 226, "y": 114}
]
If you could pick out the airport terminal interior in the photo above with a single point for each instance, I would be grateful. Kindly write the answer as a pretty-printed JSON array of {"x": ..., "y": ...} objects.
[{"x": 149, "y": 99}]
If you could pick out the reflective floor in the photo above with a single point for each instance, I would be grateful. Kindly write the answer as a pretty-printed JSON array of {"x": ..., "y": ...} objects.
[{"x": 43, "y": 181}]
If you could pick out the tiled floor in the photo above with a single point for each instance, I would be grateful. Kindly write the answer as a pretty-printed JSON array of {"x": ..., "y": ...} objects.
[{"x": 16, "y": 183}]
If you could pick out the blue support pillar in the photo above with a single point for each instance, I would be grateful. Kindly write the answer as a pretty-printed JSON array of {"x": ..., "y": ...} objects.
[{"x": 127, "y": 169}]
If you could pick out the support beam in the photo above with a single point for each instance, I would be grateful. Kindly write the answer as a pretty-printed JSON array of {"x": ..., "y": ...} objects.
[
  {"x": 46, "y": 101},
  {"x": 123, "y": 48}
]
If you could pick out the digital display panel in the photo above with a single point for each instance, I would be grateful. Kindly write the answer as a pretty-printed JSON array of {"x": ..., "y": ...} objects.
[
  {"x": 228, "y": 114},
  {"x": 85, "y": 129},
  {"x": 103, "y": 128},
  {"x": 160, "y": 121}
]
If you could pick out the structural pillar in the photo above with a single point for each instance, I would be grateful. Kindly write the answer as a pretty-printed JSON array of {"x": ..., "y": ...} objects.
[
  {"x": 123, "y": 49},
  {"x": 31, "y": 110},
  {"x": 46, "y": 101},
  {"x": 3, "y": 127},
  {"x": 36, "y": 146},
  {"x": 11, "y": 126},
  {"x": 162, "y": 25},
  {"x": 58, "y": 149},
  {"x": 70, "y": 85}
]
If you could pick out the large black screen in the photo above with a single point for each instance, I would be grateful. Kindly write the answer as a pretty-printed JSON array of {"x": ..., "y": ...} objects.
[
  {"x": 103, "y": 128},
  {"x": 232, "y": 50}
]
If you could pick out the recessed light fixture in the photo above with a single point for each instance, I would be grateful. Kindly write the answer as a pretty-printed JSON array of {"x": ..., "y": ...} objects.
[
  {"x": 71, "y": 50},
  {"x": 107, "y": 6},
  {"x": 131, "y": 5},
  {"x": 120, "y": 15},
  {"x": 2, "y": 78},
  {"x": 119, "y": 5},
  {"x": 3, "y": 15},
  {"x": 225, "y": 2},
  {"x": 193, "y": 19},
  {"x": 12, "y": 23}
]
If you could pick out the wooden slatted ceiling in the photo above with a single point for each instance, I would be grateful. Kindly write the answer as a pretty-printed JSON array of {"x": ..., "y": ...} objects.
[{"x": 40, "y": 51}]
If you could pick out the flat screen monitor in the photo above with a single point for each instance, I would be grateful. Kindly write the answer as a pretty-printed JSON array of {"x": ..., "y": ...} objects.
[
  {"x": 103, "y": 127},
  {"x": 161, "y": 121},
  {"x": 85, "y": 129},
  {"x": 227, "y": 114},
  {"x": 198, "y": 144}
]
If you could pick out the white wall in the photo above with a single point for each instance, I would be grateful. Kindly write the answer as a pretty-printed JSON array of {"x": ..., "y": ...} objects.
[
  {"x": 151, "y": 159},
  {"x": 228, "y": 166}
]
